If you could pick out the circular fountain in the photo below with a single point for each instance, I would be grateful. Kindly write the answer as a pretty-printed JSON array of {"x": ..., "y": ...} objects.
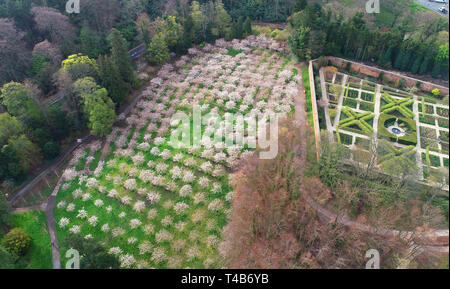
[{"x": 396, "y": 130}]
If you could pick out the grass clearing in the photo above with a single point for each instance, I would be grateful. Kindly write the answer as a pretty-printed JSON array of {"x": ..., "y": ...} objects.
[{"x": 35, "y": 225}]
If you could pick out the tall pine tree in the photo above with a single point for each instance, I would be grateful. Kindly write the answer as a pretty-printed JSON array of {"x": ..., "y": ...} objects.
[
  {"x": 406, "y": 60},
  {"x": 416, "y": 64},
  {"x": 386, "y": 60},
  {"x": 424, "y": 67},
  {"x": 300, "y": 5},
  {"x": 120, "y": 56},
  {"x": 247, "y": 29},
  {"x": 399, "y": 59},
  {"x": 112, "y": 80}
]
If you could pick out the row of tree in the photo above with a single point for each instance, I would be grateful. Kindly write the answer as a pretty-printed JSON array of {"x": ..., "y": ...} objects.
[
  {"x": 316, "y": 32},
  {"x": 198, "y": 24}
]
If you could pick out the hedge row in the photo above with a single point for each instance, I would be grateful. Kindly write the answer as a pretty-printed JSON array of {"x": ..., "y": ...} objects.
[{"x": 409, "y": 139}]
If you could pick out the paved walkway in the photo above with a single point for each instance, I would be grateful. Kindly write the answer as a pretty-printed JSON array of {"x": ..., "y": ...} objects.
[
  {"x": 48, "y": 209},
  {"x": 326, "y": 100},
  {"x": 377, "y": 109},
  {"x": 341, "y": 101}
]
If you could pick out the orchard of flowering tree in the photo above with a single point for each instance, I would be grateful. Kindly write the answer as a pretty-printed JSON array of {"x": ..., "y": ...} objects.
[{"x": 152, "y": 204}]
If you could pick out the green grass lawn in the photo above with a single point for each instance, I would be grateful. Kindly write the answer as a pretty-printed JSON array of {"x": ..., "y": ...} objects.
[
  {"x": 94, "y": 163},
  {"x": 306, "y": 86},
  {"x": 82, "y": 161},
  {"x": 35, "y": 225}
]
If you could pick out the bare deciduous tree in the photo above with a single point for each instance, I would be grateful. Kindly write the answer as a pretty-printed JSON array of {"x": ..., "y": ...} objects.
[
  {"x": 14, "y": 56},
  {"x": 49, "y": 50},
  {"x": 101, "y": 15},
  {"x": 54, "y": 25}
]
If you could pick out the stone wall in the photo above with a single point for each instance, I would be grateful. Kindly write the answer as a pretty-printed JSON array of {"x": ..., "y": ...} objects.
[{"x": 374, "y": 72}]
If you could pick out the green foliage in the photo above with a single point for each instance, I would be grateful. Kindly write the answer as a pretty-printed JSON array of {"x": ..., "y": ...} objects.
[
  {"x": 50, "y": 150},
  {"x": 435, "y": 92},
  {"x": 331, "y": 34},
  {"x": 424, "y": 107},
  {"x": 82, "y": 86},
  {"x": 416, "y": 64},
  {"x": 237, "y": 28},
  {"x": 127, "y": 27},
  {"x": 172, "y": 32},
  {"x": 17, "y": 241},
  {"x": 28, "y": 154},
  {"x": 5, "y": 217},
  {"x": 247, "y": 27},
  {"x": 269, "y": 11},
  {"x": 397, "y": 161},
  {"x": 416, "y": 7},
  {"x": 93, "y": 254},
  {"x": 400, "y": 105},
  {"x": 299, "y": 41},
  {"x": 410, "y": 126},
  {"x": 16, "y": 97},
  {"x": 91, "y": 43},
  {"x": 85, "y": 85},
  {"x": 222, "y": 19},
  {"x": 111, "y": 79},
  {"x": 143, "y": 29},
  {"x": 299, "y": 5},
  {"x": 233, "y": 52},
  {"x": 357, "y": 119},
  {"x": 120, "y": 56},
  {"x": 329, "y": 166},
  {"x": 335, "y": 89},
  {"x": 424, "y": 66},
  {"x": 198, "y": 19},
  {"x": 7, "y": 259},
  {"x": 338, "y": 135},
  {"x": 100, "y": 112},
  {"x": 158, "y": 51},
  {"x": 79, "y": 66},
  {"x": 441, "y": 59},
  {"x": 34, "y": 223},
  {"x": 307, "y": 87},
  {"x": 9, "y": 126},
  {"x": 38, "y": 62}
]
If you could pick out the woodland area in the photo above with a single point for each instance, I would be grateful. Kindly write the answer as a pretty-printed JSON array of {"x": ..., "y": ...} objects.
[{"x": 318, "y": 32}]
